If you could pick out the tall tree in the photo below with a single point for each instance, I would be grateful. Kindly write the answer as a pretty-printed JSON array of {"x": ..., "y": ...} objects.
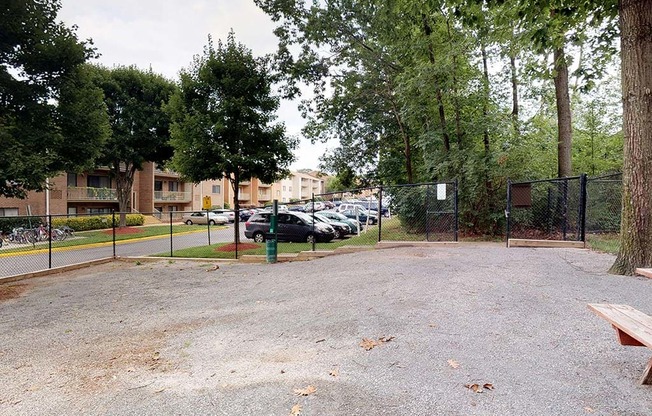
[
  {"x": 223, "y": 120},
  {"x": 139, "y": 126},
  {"x": 636, "y": 51},
  {"x": 52, "y": 118}
]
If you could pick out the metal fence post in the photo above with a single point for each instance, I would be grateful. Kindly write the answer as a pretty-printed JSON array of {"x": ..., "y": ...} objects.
[
  {"x": 171, "y": 251},
  {"x": 208, "y": 226},
  {"x": 49, "y": 241},
  {"x": 314, "y": 237},
  {"x": 457, "y": 214},
  {"x": 508, "y": 209},
  {"x": 113, "y": 226},
  {"x": 380, "y": 213},
  {"x": 427, "y": 211},
  {"x": 581, "y": 235}
]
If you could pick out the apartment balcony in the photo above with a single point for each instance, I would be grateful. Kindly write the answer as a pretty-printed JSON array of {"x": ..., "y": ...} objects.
[
  {"x": 244, "y": 196},
  {"x": 165, "y": 172},
  {"x": 171, "y": 196},
  {"x": 266, "y": 196},
  {"x": 264, "y": 185},
  {"x": 91, "y": 194}
]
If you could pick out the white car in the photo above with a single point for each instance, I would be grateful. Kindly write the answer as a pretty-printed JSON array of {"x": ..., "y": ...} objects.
[
  {"x": 227, "y": 213},
  {"x": 199, "y": 217}
]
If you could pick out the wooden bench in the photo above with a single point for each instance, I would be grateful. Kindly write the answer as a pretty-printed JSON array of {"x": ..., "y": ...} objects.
[{"x": 632, "y": 327}]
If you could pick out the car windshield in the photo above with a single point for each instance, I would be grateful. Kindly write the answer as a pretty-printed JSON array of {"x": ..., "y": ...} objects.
[{"x": 307, "y": 218}]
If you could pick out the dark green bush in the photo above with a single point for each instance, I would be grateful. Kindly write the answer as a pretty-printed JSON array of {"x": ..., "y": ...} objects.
[{"x": 96, "y": 222}]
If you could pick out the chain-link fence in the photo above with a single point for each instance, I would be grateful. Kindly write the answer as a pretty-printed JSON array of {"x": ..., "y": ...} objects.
[
  {"x": 547, "y": 209},
  {"x": 564, "y": 208},
  {"x": 604, "y": 203},
  {"x": 361, "y": 217}
]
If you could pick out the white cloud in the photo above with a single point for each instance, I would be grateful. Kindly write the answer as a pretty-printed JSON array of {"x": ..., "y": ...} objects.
[{"x": 166, "y": 34}]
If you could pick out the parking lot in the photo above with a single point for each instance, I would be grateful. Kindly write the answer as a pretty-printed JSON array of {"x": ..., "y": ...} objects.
[{"x": 176, "y": 337}]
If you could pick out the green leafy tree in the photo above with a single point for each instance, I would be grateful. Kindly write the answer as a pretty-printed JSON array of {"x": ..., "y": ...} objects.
[
  {"x": 52, "y": 118},
  {"x": 223, "y": 120},
  {"x": 140, "y": 128}
]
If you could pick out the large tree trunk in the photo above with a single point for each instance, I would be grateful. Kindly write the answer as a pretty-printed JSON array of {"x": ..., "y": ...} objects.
[
  {"x": 514, "y": 80},
  {"x": 563, "y": 114},
  {"x": 488, "y": 183},
  {"x": 124, "y": 182},
  {"x": 636, "y": 67},
  {"x": 407, "y": 146},
  {"x": 427, "y": 30}
]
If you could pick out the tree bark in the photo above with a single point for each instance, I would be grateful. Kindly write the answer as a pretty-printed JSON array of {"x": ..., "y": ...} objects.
[
  {"x": 124, "y": 182},
  {"x": 489, "y": 187},
  {"x": 636, "y": 67},
  {"x": 440, "y": 102},
  {"x": 514, "y": 79},
  {"x": 564, "y": 134}
]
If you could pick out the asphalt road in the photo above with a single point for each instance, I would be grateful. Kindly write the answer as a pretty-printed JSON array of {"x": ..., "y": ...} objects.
[
  {"x": 27, "y": 262},
  {"x": 182, "y": 338}
]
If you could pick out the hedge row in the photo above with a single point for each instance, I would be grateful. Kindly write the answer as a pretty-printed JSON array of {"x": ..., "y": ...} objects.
[{"x": 96, "y": 222}]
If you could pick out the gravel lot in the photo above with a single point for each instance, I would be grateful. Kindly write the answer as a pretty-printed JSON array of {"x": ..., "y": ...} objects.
[{"x": 181, "y": 338}]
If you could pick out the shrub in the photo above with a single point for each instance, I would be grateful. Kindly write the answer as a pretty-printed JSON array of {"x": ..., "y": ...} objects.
[
  {"x": 97, "y": 222},
  {"x": 7, "y": 224}
]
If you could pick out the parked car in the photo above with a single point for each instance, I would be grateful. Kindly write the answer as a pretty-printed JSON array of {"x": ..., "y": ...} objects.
[
  {"x": 227, "y": 213},
  {"x": 246, "y": 213},
  {"x": 340, "y": 228},
  {"x": 199, "y": 217},
  {"x": 372, "y": 205},
  {"x": 291, "y": 226},
  {"x": 361, "y": 215},
  {"x": 336, "y": 216},
  {"x": 318, "y": 206},
  {"x": 296, "y": 208},
  {"x": 281, "y": 207}
]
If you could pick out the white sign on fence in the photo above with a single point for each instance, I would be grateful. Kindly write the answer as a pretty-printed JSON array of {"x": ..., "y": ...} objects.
[{"x": 441, "y": 191}]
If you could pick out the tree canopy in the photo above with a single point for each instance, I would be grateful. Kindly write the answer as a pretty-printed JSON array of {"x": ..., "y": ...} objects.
[
  {"x": 52, "y": 117},
  {"x": 140, "y": 128},
  {"x": 223, "y": 119}
]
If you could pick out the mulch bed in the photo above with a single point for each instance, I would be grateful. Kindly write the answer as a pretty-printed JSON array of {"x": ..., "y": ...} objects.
[
  {"x": 124, "y": 230},
  {"x": 241, "y": 247}
]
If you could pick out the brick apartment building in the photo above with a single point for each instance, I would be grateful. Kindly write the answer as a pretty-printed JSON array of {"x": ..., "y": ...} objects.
[{"x": 155, "y": 191}]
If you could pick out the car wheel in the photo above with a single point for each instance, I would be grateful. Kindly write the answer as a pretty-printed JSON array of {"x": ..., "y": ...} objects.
[
  {"x": 259, "y": 237},
  {"x": 310, "y": 238},
  {"x": 211, "y": 222},
  {"x": 188, "y": 222},
  {"x": 337, "y": 234}
]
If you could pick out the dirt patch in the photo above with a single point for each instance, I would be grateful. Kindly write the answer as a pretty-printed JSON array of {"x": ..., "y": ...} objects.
[
  {"x": 124, "y": 230},
  {"x": 241, "y": 247},
  {"x": 12, "y": 291}
]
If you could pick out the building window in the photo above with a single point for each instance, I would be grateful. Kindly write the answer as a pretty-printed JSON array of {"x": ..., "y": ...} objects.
[
  {"x": 290, "y": 188},
  {"x": 72, "y": 211},
  {"x": 72, "y": 179},
  {"x": 278, "y": 193},
  {"x": 158, "y": 186},
  {"x": 94, "y": 181},
  {"x": 8, "y": 212},
  {"x": 217, "y": 189},
  {"x": 283, "y": 187},
  {"x": 173, "y": 186},
  {"x": 99, "y": 210}
]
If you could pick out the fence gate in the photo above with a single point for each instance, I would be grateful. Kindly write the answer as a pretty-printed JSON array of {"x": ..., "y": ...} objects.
[{"x": 551, "y": 209}]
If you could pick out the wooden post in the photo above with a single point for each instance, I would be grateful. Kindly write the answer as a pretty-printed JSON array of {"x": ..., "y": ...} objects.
[{"x": 646, "y": 380}]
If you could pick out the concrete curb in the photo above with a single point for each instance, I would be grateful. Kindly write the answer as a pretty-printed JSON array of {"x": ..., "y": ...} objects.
[{"x": 55, "y": 270}]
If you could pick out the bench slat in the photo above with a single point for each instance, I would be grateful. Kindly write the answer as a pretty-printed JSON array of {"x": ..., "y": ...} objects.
[{"x": 627, "y": 319}]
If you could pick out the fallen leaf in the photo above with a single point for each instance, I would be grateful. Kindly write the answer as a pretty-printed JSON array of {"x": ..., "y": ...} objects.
[
  {"x": 307, "y": 391},
  {"x": 433, "y": 325},
  {"x": 453, "y": 363},
  {"x": 296, "y": 410},
  {"x": 488, "y": 386},
  {"x": 334, "y": 372},
  {"x": 475, "y": 387},
  {"x": 385, "y": 339},
  {"x": 368, "y": 344},
  {"x": 589, "y": 410},
  {"x": 216, "y": 267}
]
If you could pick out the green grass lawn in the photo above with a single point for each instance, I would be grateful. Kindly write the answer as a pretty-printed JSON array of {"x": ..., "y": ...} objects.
[
  {"x": 213, "y": 252},
  {"x": 104, "y": 236},
  {"x": 607, "y": 243}
]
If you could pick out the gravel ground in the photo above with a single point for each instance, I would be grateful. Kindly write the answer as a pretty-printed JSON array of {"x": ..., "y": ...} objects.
[{"x": 181, "y": 338}]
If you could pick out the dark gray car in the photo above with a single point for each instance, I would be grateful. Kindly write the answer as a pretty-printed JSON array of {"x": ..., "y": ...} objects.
[{"x": 291, "y": 227}]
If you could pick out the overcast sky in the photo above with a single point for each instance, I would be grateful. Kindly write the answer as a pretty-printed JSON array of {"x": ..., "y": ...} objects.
[{"x": 165, "y": 34}]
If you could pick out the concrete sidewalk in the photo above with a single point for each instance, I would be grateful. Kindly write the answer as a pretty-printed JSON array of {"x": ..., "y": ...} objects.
[{"x": 186, "y": 338}]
